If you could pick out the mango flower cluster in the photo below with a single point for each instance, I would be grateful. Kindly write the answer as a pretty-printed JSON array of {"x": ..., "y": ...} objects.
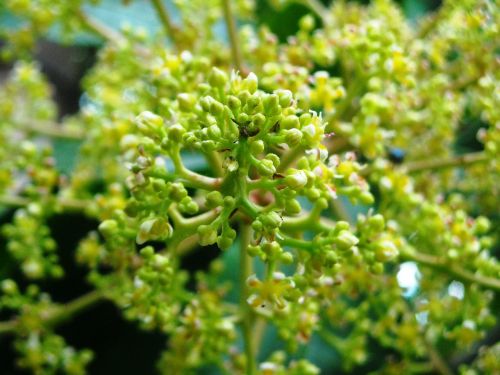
[{"x": 328, "y": 160}]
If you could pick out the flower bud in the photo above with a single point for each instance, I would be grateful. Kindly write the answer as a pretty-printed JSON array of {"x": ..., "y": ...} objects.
[
  {"x": 175, "y": 133},
  {"x": 233, "y": 102},
  {"x": 285, "y": 98},
  {"x": 271, "y": 104},
  {"x": 214, "y": 199},
  {"x": 177, "y": 191},
  {"x": 293, "y": 137},
  {"x": 217, "y": 77},
  {"x": 154, "y": 229},
  {"x": 149, "y": 124},
  {"x": 207, "y": 234},
  {"x": 376, "y": 222},
  {"x": 345, "y": 240},
  {"x": 251, "y": 83},
  {"x": 257, "y": 147},
  {"x": 290, "y": 122},
  {"x": 108, "y": 228},
  {"x": 271, "y": 220},
  {"x": 266, "y": 167},
  {"x": 224, "y": 243},
  {"x": 274, "y": 158},
  {"x": 216, "y": 108},
  {"x": 295, "y": 179},
  {"x": 385, "y": 251},
  {"x": 186, "y": 102},
  {"x": 292, "y": 207}
]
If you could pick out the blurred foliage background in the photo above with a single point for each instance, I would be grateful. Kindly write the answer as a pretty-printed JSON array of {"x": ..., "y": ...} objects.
[{"x": 102, "y": 329}]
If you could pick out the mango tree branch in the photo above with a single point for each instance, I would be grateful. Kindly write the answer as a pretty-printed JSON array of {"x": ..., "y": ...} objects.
[
  {"x": 59, "y": 313},
  {"x": 452, "y": 269},
  {"x": 449, "y": 162}
]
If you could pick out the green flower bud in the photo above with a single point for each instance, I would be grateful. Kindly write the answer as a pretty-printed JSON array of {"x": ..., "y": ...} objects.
[
  {"x": 224, "y": 243},
  {"x": 233, "y": 103},
  {"x": 214, "y": 199},
  {"x": 177, "y": 191},
  {"x": 188, "y": 206},
  {"x": 207, "y": 234},
  {"x": 295, "y": 179},
  {"x": 216, "y": 108},
  {"x": 285, "y": 98},
  {"x": 293, "y": 137},
  {"x": 147, "y": 252},
  {"x": 271, "y": 105},
  {"x": 271, "y": 220},
  {"x": 385, "y": 251},
  {"x": 251, "y": 83},
  {"x": 366, "y": 198},
  {"x": 9, "y": 287},
  {"x": 257, "y": 147},
  {"x": 229, "y": 202},
  {"x": 217, "y": 78},
  {"x": 253, "y": 250},
  {"x": 274, "y": 158},
  {"x": 376, "y": 222},
  {"x": 149, "y": 124},
  {"x": 205, "y": 103},
  {"x": 290, "y": 122},
  {"x": 286, "y": 258},
  {"x": 342, "y": 225},
  {"x": 258, "y": 120},
  {"x": 307, "y": 23},
  {"x": 108, "y": 228},
  {"x": 154, "y": 229},
  {"x": 481, "y": 225},
  {"x": 186, "y": 102},
  {"x": 32, "y": 268},
  {"x": 214, "y": 132},
  {"x": 208, "y": 145},
  {"x": 345, "y": 240},
  {"x": 292, "y": 207},
  {"x": 160, "y": 262},
  {"x": 257, "y": 225},
  {"x": 377, "y": 268},
  {"x": 266, "y": 167},
  {"x": 176, "y": 132}
]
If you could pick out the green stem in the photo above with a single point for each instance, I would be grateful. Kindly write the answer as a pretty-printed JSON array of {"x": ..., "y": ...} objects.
[
  {"x": 51, "y": 130},
  {"x": 66, "y": 204},
  {"x": 452, "y": 269},
  {"x": 168, "y": 25},
  {"x": 233, "y": 34},
  {"x": 297, "y": 243},
  {"x": 290, "y": 157},
  {"x": 437, "y": 361},
  {"x": 247, "y": 322},
  {"x": 191, "y": 178},
  {"x": 99, "y": 28},
  {"x": 59, "y": 313},
  {"x": 453, "y": 161},
  {"x": 318, "y": 8}
]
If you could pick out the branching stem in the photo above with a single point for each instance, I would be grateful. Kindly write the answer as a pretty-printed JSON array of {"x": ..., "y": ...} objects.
[
  {"x": 168, "y": 25},
  {"x": 233, "y": 35},
  {"x": 452, "y": 269},
  {"x": 59, "y": 313},
  {"x": 450, "y": 162}
]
